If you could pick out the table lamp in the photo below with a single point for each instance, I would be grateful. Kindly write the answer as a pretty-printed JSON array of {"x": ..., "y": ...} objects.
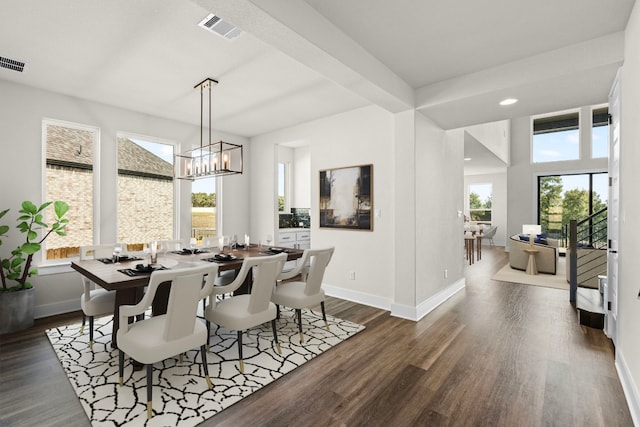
[{"x": 532, "y": 230}]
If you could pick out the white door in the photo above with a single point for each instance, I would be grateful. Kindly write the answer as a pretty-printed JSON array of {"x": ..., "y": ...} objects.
[{"x": 613, "y": 222}]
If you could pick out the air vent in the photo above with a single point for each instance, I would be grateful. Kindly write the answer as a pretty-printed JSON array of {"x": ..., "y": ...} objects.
[
  {"x": 222, "y": 28},
  {"x": 12, "y": 64}
]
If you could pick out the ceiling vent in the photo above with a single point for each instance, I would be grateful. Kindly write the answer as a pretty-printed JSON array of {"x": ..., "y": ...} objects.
[
  {"x": 12, "y": 64},
  {"x": 216, "y": 25}
]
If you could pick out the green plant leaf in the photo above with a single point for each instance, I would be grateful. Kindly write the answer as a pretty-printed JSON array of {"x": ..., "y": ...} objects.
[
  {"x": 29, "y": 207},
  {"x": 3, "y": 229},
  {"x": 33, "y": 272},
  {"x": 3, "y": 213},
  {"x": 61, "y": 208},
  {"x": 32, "y": 235},
  {"x": 30, "y": 248},
  {"x": 44, "y": 206},
  {"x": 16, "y": 262},
  {"x": 13, "y": 276}
]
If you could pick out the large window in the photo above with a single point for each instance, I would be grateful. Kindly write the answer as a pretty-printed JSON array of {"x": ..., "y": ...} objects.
[
  {"x": 556, "y": 138},
  {"x": 600, "y": 133},
  {"x": 480, "y": 196},
  {"x": 145, "y": 190},
  {"x": 203, "y": 208},
  {"x": 562, "y": 198},
  {"x": 69, "y": 176}
]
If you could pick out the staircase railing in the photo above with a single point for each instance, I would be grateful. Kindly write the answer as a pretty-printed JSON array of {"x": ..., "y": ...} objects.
[{"x": 587, "y": 251}]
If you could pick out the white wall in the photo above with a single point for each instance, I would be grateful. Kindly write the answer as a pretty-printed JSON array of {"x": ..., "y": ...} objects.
[
  {"x": 498, "y": 201},
  {"x": 417, "y": 180},
  {"x": 302, "y": 177},
  {"x": 21, "y": 112},
  {"x": 495, "y": 136},
  {"x": 628, "y": 342}
]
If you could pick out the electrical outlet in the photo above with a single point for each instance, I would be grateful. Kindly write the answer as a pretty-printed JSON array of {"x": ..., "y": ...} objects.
[
  {"x": 446, "y": 273},
  {"x": 352, "y": 275}
]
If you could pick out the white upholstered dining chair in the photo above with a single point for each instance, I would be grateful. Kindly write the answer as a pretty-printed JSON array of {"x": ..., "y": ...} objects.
[
  {"x": 307, "y": 292},
  {"x": 96, "y": 301},
  {"x": 241, "y": 312},
  {"x": 159, "y": 337}
]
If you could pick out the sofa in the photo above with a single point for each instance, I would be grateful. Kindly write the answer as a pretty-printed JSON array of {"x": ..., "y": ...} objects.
[{"x": 546, "y": 258}]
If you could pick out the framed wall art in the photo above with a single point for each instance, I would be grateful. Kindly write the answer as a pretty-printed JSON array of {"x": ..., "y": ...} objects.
[{"x": 346, "y": 198}]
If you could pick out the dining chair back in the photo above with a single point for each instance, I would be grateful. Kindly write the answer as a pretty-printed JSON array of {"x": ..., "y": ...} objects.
[
  {"x": 306, "y": 292},
  {"x": 157, "y": 338},
  {"x": 98, "y": 301},
  {"x": 241, "y": 312}
]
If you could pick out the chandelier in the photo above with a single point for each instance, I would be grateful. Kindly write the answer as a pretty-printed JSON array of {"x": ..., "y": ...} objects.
[{"x": 210, "y": 159}]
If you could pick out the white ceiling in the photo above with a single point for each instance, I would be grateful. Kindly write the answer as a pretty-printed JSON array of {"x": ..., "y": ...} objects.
[{"x": 300, "y": 60}]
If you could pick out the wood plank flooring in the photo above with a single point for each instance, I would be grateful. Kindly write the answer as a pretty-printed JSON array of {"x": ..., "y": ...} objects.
[{"x": 496, "y": 354}]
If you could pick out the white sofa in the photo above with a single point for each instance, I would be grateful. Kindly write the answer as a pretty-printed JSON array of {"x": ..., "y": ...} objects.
[{"x": 546, "y": 258}]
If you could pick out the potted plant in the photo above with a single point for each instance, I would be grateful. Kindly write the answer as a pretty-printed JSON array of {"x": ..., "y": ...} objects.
[{"x": 17, "y": 293}]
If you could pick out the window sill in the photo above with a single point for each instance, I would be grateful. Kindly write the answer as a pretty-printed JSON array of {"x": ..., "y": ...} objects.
[{"x": 58, "y": 267}]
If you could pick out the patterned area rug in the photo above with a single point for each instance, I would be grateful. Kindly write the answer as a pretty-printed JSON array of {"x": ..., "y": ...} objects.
[{"x": 180, "y": 394}]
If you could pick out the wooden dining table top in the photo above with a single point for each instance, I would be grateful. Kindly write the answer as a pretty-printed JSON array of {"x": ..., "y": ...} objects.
[{"x": 108, "y": 276}]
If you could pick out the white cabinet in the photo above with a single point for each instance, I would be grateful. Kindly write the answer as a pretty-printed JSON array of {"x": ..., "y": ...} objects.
[
  {"x": 303, "y": 239},
  {"x": 287, "y": 239},
  {"x": 292, "y": 238}
]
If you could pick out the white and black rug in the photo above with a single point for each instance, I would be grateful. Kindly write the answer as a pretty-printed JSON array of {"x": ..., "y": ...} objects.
[{"x": 180, "y": 394}]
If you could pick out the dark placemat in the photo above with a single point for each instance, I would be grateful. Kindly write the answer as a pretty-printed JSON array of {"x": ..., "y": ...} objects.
[
  {"x": 123, "y": 258},
  {"x": 219, "y": 258},
  {"x": 140, "y": 272},
  {"x": 190, "y": 252}
]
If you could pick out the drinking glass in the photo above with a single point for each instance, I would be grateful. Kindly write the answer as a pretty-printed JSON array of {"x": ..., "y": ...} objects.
[
  {"x": 153, "y": 250},
  {"x": 269, "y": 239},
  {"x": 193, "y": 244},
  {"x": 221, "y": 243},
  {"x": 117, "y": 250},
  {"x": 247, "y": 240},
  {"x": 234, "y": 241}
]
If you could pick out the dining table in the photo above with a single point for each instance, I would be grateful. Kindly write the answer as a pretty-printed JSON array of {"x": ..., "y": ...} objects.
[{"x": 129, "y": 275}]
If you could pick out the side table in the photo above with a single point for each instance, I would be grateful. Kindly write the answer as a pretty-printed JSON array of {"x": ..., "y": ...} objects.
[{"x": 532, "y": 268}]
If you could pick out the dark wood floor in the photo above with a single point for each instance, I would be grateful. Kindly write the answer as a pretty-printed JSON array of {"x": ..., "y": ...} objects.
[{"x": 496, "y": 354}]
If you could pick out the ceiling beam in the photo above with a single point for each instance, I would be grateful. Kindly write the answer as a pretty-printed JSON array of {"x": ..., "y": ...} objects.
[{"x": 299, "y": 31}]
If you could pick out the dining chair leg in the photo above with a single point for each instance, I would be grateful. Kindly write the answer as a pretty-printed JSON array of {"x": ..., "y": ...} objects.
[
  {"x": 275, "y": 336},
  {"x": 324, "y": 315},
  {"x": 208, "y": 333},
  {"x": 277, "y": 311},
  {"x": 240, "y": 351},
  {"x": 91, "y": 332},
  {"x": 205, "y": 366},
  {"x": 84, "y": 320},
  {"x": 299, "y": 314},
  {"x": 149, "y": 390},
  {"x": 121, "y": 366}
]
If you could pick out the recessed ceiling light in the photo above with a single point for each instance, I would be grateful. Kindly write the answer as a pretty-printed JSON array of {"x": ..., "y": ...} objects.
[
  {"x": 508, "y": 101},
  {"x": 466, "y": 159}
]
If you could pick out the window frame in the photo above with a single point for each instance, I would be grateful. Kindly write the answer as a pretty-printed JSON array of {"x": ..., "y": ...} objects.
[
  {"x": 95, "y": 130},
  {"x": 548, "y": 116},
  {"x": 470, "y": 210}
]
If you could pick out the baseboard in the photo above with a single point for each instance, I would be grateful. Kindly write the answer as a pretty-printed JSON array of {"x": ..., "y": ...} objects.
[
  {"x": 629, "y": 387},
  {"x": 427, "y": 306},
  {"x": 358, "y": 297},
  {"x": 53, "y": 309}
]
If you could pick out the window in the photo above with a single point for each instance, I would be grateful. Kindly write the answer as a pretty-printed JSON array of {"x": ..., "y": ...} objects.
[
  {"x": 145, "y": 190},
  {"x": 203, "y": 208},
  {"x": 600, "y": 133},
  {"x": 556, "y": 138},
  {"x": 562, "y": 198},
  {"x": 480, "y": 203},
  {"x": 69, "y": 176}
]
